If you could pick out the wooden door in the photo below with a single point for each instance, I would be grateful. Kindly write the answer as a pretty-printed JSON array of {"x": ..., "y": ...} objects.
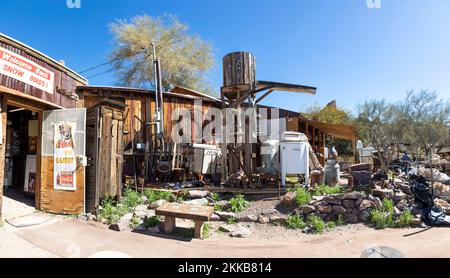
[
  {"x": 63, "y": 153},
  {"x": 104, "y": 132},
  {"x": 92, "y": 151}
]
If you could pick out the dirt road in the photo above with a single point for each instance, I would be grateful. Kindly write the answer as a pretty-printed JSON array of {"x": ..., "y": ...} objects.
[{"x": 71, "y": 238}]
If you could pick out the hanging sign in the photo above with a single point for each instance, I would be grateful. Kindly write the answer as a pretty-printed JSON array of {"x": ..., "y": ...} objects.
[
  {"x": 64, "y": 156},
  {"x": 18, "y": 67}
]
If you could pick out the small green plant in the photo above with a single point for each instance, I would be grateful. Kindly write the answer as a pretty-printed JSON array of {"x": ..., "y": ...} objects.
[
  {"x": 152, "y": 221},
  {"x": 405, "y": 219},
  {"x": 135, "y": 221},
  {"x": 331, "y": 225},
  {"x": 111, "y": 211},
  {"x": 231, "y": 220},
  {"x": 388, "y": 205},
  {"x": 303, "y": 197},
  {"x": 340, "y": 221},
  {"x": 295, "y": 222},
  {"x": 238, "y": 203},
  {"x": 218, "y": 207},
  {"x": 215, "y": 196},
  {"x": 206, "y": 230},
  {"x": 131, "y": 198},
  {"x": 316, "y": 223},
  {"x": 323, "y": 189},
  {"x": 155, "y": 195},
  {"x": 379, "y": 219},
  {"x": 385, "y": 217},
  {"x": 183, "y": 195}
]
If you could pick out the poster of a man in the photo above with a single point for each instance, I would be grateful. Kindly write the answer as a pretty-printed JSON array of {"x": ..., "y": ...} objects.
[{"x": 64, "y": 155}]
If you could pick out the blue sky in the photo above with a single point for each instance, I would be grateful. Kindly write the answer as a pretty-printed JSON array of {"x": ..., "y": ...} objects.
[{"x": 350, "y": 52}]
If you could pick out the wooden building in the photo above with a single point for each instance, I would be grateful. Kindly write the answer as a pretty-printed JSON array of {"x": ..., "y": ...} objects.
[{"x": 33, "y": 90}]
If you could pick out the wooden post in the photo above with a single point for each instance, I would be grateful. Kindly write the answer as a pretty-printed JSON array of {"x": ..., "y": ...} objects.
[
  {"x": 3, "y": 113},
  {"x": 169, "y": 224},
  {"x": 198, "y": 228}
]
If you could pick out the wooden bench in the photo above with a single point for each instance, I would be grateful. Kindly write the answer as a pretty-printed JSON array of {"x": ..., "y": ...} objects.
[{"x": 172, "y": 211}]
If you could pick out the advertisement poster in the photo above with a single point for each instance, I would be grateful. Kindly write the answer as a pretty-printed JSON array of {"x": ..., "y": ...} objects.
[{"x": 64, "y": 156}]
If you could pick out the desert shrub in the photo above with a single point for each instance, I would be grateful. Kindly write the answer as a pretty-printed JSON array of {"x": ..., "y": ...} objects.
[
  {"x": 323, "y": 189},
  {"x": 379, "y": 219},
  {"x": 215, "y": 196},
  {"x": 295, "y": 222},
  {"x": 218, "y": 207},
  {"x": 183, "y": 195},
  {"x": 134, "y": 222},
  {"x": 316, "y": 224},
  {"x": 152, "y": 221},
  {"x": 388, "y": 205},
  {"x": 231, "y": 220},
  {"x": 238, "y": 203},
  {"x": 405, "y": 219},
  {"x": 206, "y": 230},
  {"x": 385, "y": 217},
  {"x": 131, "y": 198},
  {"x": 110, "y": 211},
  {"x": 155, "y": 195},
  {"x": 303, "y": 197},
  {"x": 331, "y": 225},
  {"x": 340, "y": 221}
]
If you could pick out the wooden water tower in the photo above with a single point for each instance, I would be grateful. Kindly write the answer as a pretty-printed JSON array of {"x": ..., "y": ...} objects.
[
  {"x": 239, "y": 85},
  {"x": 240, "y": 89}
]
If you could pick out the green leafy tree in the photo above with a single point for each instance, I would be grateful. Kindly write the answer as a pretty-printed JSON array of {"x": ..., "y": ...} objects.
[
  {"x": 330, "y": 114},
  {"x": 185, "y": 57}
]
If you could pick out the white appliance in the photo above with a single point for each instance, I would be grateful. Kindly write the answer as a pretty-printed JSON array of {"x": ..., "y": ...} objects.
[
  {"x": 294, "y": 156},
  {"x": 366, "y": 155},
  {"x": 206, "y": 159}
]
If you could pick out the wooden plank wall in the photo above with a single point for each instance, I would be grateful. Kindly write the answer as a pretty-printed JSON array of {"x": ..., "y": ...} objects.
[
  {"x": 60, "y": 201},
  {"x": 137, "y": 112}
]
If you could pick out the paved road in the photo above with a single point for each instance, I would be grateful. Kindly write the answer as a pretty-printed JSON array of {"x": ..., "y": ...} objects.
[{"x": 71, "y": 238}]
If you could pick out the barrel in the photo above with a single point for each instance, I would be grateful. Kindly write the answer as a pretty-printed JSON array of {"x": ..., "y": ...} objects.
[{"x": 239, "y": 72}]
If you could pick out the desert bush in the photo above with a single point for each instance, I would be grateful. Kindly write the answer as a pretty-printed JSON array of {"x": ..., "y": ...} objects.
[
  {"x": 295, "y": 222},
  {"x": 152, "y": 221},
  {"x": 316, "y": 224},
  {"x": 323, "y": 189},
  {"x": 215, "y": 196},
  {"x": 379, "y": 219},
  {"x": 340, "y": 221},
  {"x": 385, "y": 217},
  {"x": 155, "y": 195},
  {"x": 134, "y": 222},
  {"x": 110, "y": 211},
  {"x": 303, "y": 197},
  {"x": 405, "y": 219},
  {"x": 206, "y": 230},
  {"x": 131, "y": 198},
  {"x": 238, "y": 203}
]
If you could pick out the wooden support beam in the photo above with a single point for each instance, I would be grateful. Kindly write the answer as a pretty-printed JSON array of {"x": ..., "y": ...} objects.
[
  {"x": 263, "y": 96},
  {"x": 3, "y": 119}
]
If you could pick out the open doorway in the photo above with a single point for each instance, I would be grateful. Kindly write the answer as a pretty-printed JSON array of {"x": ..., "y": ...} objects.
[{"x": 22, "y": 134}]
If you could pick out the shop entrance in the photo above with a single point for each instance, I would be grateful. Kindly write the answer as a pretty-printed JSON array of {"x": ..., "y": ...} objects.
[{"x": 21, "y": 161}]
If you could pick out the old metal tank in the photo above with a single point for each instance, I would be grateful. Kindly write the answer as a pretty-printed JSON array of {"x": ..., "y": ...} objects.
[{"x": 332, "y": 172}]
